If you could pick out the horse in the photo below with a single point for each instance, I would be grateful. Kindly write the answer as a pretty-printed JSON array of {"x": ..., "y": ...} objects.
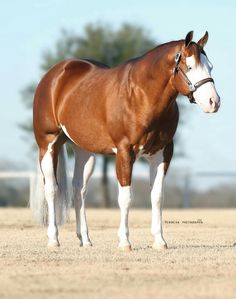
[{"x": 127, "y": 111}]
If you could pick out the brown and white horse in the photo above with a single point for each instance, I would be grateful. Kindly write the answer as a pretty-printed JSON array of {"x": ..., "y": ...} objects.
[{"x": 129, "y": 110}]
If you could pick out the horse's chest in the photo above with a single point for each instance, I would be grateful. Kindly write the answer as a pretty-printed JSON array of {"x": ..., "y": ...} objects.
[
  {"x": 161, "y": 133},
  {"x": 156, "y": 141}
]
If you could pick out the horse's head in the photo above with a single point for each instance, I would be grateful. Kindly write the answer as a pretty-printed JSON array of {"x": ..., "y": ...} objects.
[{"x": 192, "y": 74}]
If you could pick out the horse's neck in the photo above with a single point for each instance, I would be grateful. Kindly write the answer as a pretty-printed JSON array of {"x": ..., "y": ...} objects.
[{"x": 153, "y": 74}]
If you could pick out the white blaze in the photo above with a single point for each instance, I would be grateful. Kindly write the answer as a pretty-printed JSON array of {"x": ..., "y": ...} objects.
[{"x": 198, "y": 72}]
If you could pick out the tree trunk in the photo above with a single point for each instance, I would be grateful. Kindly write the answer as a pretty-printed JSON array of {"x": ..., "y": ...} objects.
[{"x": 106, "y": 203}]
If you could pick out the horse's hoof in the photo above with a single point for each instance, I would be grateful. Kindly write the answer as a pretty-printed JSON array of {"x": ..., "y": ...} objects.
[
  {"x": 159, "y": 247},
  {"x": 53, "y": 244},
  {"x": 87, "y": 244},
  {"x": 125, "y": 248}
]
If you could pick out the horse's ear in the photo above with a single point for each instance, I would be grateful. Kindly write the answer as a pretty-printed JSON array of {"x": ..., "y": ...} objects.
[
  {"x": 202, "y": 42},
  {"x": 188, "y": 38}
]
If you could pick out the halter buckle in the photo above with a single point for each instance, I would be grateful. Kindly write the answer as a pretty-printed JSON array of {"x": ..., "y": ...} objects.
[{"x": 192, "y": 88}]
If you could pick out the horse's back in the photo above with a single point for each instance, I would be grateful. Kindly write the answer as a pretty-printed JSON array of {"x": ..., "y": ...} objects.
[{"x": 67, "y": 70}]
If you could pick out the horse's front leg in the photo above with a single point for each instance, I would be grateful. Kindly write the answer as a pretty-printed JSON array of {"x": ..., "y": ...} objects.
[
  {"x": 124, "y": 164},
  {"x": 158, "y": 167}
]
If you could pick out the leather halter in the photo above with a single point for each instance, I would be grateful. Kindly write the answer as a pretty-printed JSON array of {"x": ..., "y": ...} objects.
[{"x": 192, "y": 87}]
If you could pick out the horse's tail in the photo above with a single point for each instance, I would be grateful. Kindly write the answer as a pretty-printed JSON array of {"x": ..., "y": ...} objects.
[{"x": 38, "y": 202}]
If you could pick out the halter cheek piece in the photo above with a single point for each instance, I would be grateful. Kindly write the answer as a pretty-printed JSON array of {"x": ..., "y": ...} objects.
[{"x": 192, "y": 87}]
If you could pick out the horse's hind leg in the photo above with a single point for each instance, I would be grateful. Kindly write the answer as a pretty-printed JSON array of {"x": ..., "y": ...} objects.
[
  {"x": 84, "y": 166},
  {"x": 48, "y": 161}
]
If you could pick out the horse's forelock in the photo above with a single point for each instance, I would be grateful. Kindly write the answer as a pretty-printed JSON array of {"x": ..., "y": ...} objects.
[{"x": 194, "y": 50}]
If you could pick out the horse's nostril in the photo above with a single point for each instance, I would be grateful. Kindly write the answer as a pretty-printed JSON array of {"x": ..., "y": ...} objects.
[{"x": 212, "y": 103}]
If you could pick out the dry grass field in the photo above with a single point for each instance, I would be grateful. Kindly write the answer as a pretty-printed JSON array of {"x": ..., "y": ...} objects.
[{"x": 200, "y": 261}]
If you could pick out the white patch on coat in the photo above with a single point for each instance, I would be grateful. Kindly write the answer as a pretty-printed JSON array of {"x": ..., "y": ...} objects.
[
  {"x": 124, "y": 199},
  {"x": 50, "y": 188},
  {"x": 66, "y": 133},
  {"x": 114, "y": 149},
  {"x": 200, "y": 71},
  {"x": 157, "y": 182},
  {"x": 141, "y": 147},
  {"x": 138, "y": 155}
]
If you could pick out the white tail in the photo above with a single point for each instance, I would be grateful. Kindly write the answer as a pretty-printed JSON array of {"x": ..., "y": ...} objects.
[{"x": 38, "y": 202}]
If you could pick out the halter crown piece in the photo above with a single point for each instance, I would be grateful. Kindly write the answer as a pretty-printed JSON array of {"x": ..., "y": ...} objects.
[{"x": 192, "y": 87}]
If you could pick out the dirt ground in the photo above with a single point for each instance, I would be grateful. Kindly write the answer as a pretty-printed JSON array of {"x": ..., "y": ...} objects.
[{"x": 200, "y": 261}]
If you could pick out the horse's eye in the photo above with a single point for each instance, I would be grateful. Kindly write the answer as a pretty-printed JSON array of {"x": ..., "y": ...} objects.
[{"x": 189, "y": 67}]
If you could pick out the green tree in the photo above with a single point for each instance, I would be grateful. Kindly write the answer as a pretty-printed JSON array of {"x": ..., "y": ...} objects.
[{"x": 99, "y": 42}]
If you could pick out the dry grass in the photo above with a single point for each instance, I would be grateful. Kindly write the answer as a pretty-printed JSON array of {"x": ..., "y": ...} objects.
[{"x": 200, "y": 261}]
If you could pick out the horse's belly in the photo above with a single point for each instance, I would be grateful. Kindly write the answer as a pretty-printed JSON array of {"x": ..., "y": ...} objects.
[{"x": 93, "y": 139}]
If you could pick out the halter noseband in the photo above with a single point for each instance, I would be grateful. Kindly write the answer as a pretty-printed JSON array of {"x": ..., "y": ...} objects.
[{"x": 192, "y": 87}]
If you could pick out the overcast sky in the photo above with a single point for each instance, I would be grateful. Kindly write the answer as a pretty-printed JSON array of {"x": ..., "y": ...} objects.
[{"x": 29, "y": 27}]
